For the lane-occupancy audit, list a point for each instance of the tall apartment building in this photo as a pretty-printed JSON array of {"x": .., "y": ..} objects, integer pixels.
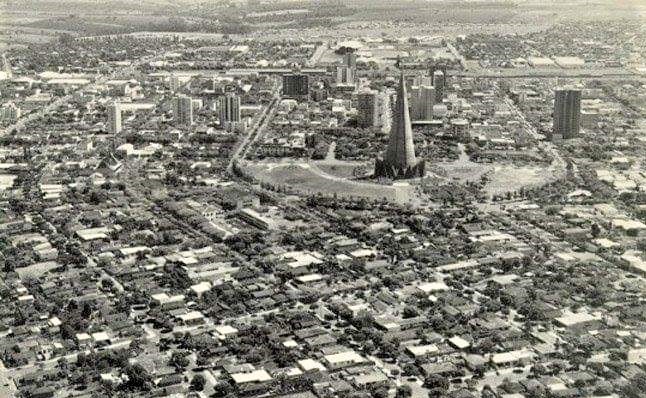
[
  {"x": 296, "y": 85},
  {"x": 350, "y": 60},
  {"x": 423, "y": 99},
  {"x": 439, "y": 82},
  {"x": 114, "y": 118},
  {"x": 368, "y": 109},
  {"x": 183, "y": 110},
  {"x": 229, "y": 108},
  {"x": 174, "y": 83},
  {"x": 567, "y": 113},
  {"x": 9, "y": 113},
  {"x": 345, "y": 75}
]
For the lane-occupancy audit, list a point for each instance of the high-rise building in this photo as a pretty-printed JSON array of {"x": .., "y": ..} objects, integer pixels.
[
  {"x": 385, "y": 112},
  {"x": 439, "y": 82},
  {"x": 9, "y": 113},
  {"x": 296, "y": 85},
  {"x": 399, "y": 161},
  {"x": 229, "y": 107},
  {"x": 414, "y": 101},
  {"x": 567, "y": 113},
  {"x": 427, "y": 100},
  {"x": 114, "y": 118},
  {"x": 368, "y": 109},
  {"x": 183, "y": 110},
  {"x": 350, "y": 60},
  {"x": 423, "y": 98},
  {"x": 345, "y": 75},
  {"x": 174, "y": 82}
]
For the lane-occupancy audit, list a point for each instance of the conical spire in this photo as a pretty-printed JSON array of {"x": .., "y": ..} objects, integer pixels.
[{"x": 401, "y": 151}]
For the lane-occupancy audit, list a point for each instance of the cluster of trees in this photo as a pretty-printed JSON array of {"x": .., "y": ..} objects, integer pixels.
[
  {"x": 75, "y": 319},
  {"x": 89, "y": 27},
  {"x": 225, "y": 296},
  {"x": 451, "y": 193},
  {"x": 85, "y": 53},
  {"x": 318, "y": 146},
  {"x": 11, "y": 359},
  {"x": 89, "y": 365},
  {"x": 174, "y": 276},
  {"x": 356, "y": 144}
]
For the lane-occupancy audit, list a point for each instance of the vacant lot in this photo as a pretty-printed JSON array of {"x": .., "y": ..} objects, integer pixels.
[{"x": 508, "y": 178}]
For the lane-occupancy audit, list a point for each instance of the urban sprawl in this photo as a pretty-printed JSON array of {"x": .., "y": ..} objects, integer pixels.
[{"x": 333, "y": 215}]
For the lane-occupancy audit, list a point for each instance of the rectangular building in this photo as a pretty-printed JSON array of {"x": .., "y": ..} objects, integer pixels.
[
  {"x": 439, "y": 82},
  {"x": 368, "y": 109},
  {"x": 183, "y": 110},
  {"x": 567, "y": 113},
  {"x": 423, "y": 101},
  {"x": 229, "y": 107},
  {"x": 9, "y": 113},
  {"x": 345, "y": 75},
  {"x": 114, "y": 118},
  {"x": 295, "y": 85}
]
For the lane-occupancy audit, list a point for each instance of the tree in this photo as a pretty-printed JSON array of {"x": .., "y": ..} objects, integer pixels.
[
  {"x": 363, "y": 320},
  {"x": 404, "y": 391},
  {"x": 379, "y": 392},
  {"x": 65, "y": 39},
  {"x": 437, "y": 382},
  {"x": 222, "y": 389},
  {"x": 179, "y": 360},
  {"x": 138, "y": 378},
  {"x": 198, "y": 382},
  {"x": 87, "y": 310},
  {"x": 410, "y": 312},
  {"x": 409, "y": 369},
  {"x": 596, "y": 231}
]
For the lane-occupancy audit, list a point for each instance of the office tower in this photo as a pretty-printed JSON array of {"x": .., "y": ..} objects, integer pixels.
[
  {"x": 385, "y": 112},
  {"x": 350, "y": 60},
  {"x": 295, "y": 85},
  {"x": 399, "y": 160},
  {"x": 414, "y": 101},
  {"x": 423, "y": 99},
  {"x": 439, "y": 82},
  {"x": 183, "y": 110},
  {"x": 425, "y": 102},
  {"x": 229, "y": 106},
  {"x": 368, "y": 109},
  {"x": 114, "y": 118},
  {"x": 175, "y": 83},
  {"x": 567, "y": 112},
  {"x": 344, "y": 75},
  {"x": 9, "y": 113}
]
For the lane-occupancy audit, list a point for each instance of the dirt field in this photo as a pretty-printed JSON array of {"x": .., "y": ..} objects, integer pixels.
[{"x": 507, "y": 178}]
